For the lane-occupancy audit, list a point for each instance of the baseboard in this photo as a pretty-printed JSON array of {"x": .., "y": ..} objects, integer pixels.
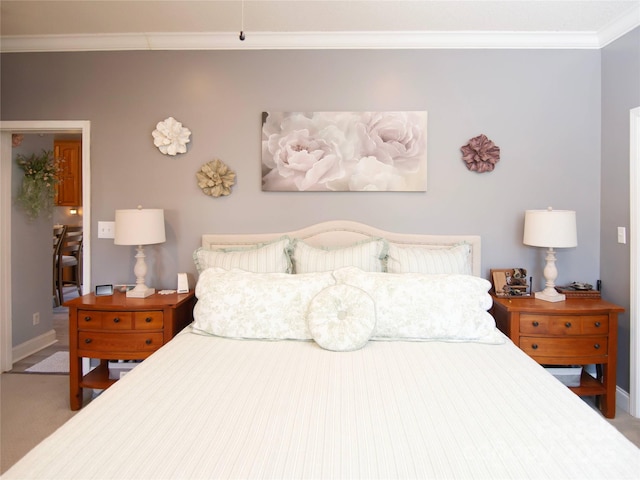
[
  {"x": 623, "y": 401},
  {"x": 34, "y": 345}
]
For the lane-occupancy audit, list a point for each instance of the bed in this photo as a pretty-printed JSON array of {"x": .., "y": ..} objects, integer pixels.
[{"x": 336, "y": 351}]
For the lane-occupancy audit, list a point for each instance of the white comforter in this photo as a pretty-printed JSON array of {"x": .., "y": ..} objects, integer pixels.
[{"x": 208, "y": 407}]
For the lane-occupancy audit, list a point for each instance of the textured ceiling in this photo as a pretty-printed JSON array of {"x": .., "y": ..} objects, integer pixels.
[{"x": 28, "y": 18}]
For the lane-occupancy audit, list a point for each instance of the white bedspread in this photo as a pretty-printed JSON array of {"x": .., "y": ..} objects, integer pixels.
[{"x": 207, "y": 407}]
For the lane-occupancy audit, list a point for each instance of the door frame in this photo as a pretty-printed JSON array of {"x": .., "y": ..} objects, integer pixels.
[
  {"x": 26, "y": 127},
  {"x": 634, "y": 280}
]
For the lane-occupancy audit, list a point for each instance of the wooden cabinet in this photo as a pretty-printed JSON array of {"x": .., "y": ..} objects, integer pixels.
[
  {"x": 69, "y": 186},
  {"x": 578, "y": 331},
  {"x": 116, "y": 327}
]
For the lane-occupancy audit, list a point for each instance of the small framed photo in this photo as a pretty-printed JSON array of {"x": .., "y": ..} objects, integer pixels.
[
  {"x": 510, "y": 282},
  {"x": 104, "y": 290}
]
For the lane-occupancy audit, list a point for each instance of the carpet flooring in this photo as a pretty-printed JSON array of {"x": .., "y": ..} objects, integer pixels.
[{"x": 31, "y": 408}]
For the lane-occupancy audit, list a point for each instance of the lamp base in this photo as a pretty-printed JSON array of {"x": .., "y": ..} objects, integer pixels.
[
  {"x": 550, "y": 297},
  {"x": 143, "y": 292}
]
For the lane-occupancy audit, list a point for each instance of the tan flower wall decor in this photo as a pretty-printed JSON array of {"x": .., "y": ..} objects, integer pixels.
[
  {"x": 215, "y": 178},
  {"x": 480, "y": 154}
]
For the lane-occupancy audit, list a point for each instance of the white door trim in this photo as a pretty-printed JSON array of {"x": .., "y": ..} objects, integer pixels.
[
  {"x": 634, "y": 281},
  {"x": 41, "y": 126}
]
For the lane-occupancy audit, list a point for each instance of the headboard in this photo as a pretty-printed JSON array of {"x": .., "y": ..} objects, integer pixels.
[{"x": 337, "y": 233}]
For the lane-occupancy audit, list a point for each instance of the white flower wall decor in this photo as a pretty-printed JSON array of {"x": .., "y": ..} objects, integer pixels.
[
  {"x": 171, "y": 137},
  {"x": 344, "y": 151},
  {"x": 215, "y": 178}
]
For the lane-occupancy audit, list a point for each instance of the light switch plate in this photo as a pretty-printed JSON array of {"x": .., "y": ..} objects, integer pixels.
[
  {"x": 622, "y": 235},
  {"x": 106, "y": 229}
]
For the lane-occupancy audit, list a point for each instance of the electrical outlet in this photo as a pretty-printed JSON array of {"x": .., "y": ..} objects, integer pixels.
[
  {"x": 36, "y": 318},
  {"x": 106, "y": 229}
]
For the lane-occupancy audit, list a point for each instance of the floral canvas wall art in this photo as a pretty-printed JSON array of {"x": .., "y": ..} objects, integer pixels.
[{"x": 344, "y": 151}]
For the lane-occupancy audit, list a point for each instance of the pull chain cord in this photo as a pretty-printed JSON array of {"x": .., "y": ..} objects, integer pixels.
[{"x": 241, "y": 36}]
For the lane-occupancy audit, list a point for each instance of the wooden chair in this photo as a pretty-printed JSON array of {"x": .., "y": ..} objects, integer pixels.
[
  {"x": 70, "y": 256},
  {"x": 58, "y": 234}
]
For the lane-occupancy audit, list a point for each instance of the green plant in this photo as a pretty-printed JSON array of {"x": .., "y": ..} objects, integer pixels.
[{"x": 38, "y": 185}]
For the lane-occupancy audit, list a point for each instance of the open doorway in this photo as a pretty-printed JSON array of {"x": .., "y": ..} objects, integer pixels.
[{"x": 26, "y": 127}]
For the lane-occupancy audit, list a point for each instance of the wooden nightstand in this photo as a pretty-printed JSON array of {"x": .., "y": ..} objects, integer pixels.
[
  {"x": 115, "y": 327},
  {"x": 577, "y": 331}
]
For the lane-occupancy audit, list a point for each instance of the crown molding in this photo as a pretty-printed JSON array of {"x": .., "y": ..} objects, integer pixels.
[
  {"x": 325, "y": 40},
  {"x": 620, "y": 27},
  {"x": 300, "y": 41},
  {"x": 321, "y": 40}
]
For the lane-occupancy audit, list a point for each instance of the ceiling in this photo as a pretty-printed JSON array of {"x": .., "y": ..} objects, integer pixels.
[{"x": 52, "y": 25}]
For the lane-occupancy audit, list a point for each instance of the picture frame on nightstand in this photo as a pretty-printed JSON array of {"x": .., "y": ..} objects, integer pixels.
[{"x": 510, "y": 282}]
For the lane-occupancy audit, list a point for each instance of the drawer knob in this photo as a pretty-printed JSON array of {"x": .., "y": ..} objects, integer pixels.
[
  {"x": 596, "y": 346},
  {"x": 535, "y": 323},
  {"x": 87, "y": 340},
  {"x": 148, "y": 341},
  {"x": 116, "y": 320},
  {"x": 148, "y": 319},
  {"x": 87, "y": 318},
  {"x": 568, "y": 324},
  {"x": 597, "y": 324},
  {"x": 534, "y": 346}
]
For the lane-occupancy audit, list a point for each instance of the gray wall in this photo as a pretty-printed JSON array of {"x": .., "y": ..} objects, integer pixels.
[
  {"x": 620, "y": 93},
  {"x": 541, "y": 107}
]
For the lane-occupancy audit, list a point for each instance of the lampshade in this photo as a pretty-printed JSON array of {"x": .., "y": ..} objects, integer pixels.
[
  {"x": 550, "y": 228},
  {"x": 139, "y": 226}
]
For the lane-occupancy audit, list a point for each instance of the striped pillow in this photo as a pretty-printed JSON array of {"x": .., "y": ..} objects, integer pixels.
[
  {"x": 367, "y": 256},
  {"x": 272, "y": 257},
  {"x": 452, "y": 260}
]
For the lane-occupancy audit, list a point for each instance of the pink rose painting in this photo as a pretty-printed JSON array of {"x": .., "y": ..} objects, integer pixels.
[
  {"x": 344, "y": 151},
  {"x": 480, "y": 154}
]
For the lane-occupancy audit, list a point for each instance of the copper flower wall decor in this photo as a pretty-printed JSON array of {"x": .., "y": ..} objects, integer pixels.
[
  {"x": 480, "y": 154},
  {"x": 215, "y": 178}
]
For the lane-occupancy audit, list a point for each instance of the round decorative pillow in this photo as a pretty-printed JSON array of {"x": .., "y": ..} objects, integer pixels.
[{"x": 341, "y": 318}]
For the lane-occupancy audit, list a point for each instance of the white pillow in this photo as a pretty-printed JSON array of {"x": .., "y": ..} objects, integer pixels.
[
  {"x": 367, "y": 255},
  {"x": 429, "y": 260},
  {"x": 241, "y": 304},
  {"x": 427, "y": 307},
  {"x": 272, "y": 257},
  {"x": 341, "y": 318}
]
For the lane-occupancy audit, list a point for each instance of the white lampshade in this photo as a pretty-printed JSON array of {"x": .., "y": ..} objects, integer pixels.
[
  {"x": 139, "y": 226},
  {"x": 550, "y": 228}
]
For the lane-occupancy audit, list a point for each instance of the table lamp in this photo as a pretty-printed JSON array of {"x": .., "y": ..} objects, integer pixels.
[
  {"x": 140, "y": 227},
  {"x": 551, "y": 229}
]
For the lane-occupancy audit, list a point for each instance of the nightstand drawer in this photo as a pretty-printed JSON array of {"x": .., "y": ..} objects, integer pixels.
[
  {"x": 564, "y": 324},
  {"x": 119, "y": 342},
  {"x": 148, "y": 320},
  {"x": 92, "y": 320},
  {"x": 561, "y": 347}
]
